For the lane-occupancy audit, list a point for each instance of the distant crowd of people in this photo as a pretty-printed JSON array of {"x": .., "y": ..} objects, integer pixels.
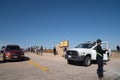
[
  {"x": 39, "y": 50},
  {"x": 36, "y": 49}
]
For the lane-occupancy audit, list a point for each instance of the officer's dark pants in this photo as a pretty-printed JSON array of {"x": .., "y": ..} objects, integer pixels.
[{"x": 100, "y": 66}]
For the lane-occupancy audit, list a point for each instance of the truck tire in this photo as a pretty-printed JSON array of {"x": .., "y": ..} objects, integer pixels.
[
  {"x": 69, "y": 61},
  {"x": 87, "y": 61}
]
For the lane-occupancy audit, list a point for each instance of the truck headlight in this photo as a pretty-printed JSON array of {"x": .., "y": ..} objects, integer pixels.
[{"x": 82, "y": 53}]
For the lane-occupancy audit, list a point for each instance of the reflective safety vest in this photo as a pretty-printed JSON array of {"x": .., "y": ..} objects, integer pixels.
[{"x": 99, "y": 54}]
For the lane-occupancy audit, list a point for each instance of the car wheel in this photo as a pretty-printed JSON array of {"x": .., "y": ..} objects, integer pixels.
[
  {"x": 22, "y": 59},
  {"x": 87, "y": 61},
  {"x": 4, "y": 60},
  {"x": 70, "y": 61}
]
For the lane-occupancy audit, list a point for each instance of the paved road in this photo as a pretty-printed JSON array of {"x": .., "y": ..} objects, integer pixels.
[{"x": 50, "y": 67}]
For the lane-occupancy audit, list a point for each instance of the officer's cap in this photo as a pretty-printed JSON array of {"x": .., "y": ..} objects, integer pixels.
[{"x": 99, "y": 40}]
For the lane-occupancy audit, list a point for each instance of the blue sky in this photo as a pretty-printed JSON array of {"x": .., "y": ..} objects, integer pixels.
[{"x": 47, "y": 22}]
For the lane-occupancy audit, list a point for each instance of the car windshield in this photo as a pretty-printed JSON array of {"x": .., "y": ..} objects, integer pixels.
[
  {"x": 85, "y": 46},
  {"x": 13, "y": 48}
]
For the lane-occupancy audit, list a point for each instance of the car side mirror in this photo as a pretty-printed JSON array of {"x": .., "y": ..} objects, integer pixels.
[{"x": 1, "y": 51}]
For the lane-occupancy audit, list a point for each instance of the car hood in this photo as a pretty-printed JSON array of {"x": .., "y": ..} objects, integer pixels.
[{"x": 14, "y": 51}]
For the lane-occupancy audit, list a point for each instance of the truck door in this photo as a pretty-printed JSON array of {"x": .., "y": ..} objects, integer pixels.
[{"x": 104, "y": 47}]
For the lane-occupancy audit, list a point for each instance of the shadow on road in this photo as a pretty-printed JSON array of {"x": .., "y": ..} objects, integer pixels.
[
  {"x": 77, "y": 63},
  {"x": 118, "y": 78},
  {"x": 25, "y": 59},
  {"x": 82, "y": 63}
]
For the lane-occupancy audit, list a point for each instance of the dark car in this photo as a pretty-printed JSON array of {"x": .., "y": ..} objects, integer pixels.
[
  {"x": 2, "y": 49},
  {"x": 13, "y": 52}
]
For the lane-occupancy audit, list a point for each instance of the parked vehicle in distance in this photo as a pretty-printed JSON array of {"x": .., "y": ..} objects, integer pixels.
[
  {"x": 13, "y": 52},
  {"x": 86, "y": 52},
  {"x": 2, "y": 49}
]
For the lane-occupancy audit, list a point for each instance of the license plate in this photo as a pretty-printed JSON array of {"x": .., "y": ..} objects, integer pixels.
[
  {"x": 69, "y": 56},
  {"x": 14, "y": 56}
]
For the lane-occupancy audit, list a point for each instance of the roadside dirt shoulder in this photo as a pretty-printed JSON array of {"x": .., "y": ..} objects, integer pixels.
[{"x": 115, "y": 55}]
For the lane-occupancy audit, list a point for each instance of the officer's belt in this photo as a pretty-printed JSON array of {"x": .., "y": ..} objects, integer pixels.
[{"x": 99, "y": 54}]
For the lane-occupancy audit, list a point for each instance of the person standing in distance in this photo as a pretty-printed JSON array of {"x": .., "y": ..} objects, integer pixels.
[
  {"x": 54, "y": 51},
  {"x": 118, "y": 48},
  {"x": 99, "y": 59},
  {"x": 41, "y": 50}
]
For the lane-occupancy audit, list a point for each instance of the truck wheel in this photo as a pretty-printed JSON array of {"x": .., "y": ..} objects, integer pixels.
[
  {"x": 87, "y": 61},
  {"x": 69, "y": 61}
]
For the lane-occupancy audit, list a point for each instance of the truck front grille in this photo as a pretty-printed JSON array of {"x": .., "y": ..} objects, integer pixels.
[{"x": 74, "y": 54}]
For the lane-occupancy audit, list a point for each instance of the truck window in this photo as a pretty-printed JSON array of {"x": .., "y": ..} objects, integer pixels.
[
  {"x": 104, "y": 46},
  {"x": 85, "y": 46}
]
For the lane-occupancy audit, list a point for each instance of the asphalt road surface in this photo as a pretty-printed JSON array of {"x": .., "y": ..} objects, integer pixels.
[{"x": 50, "y": 67}]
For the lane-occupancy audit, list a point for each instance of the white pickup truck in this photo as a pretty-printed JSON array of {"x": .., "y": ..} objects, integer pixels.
[{"x": 86, "y": 52}]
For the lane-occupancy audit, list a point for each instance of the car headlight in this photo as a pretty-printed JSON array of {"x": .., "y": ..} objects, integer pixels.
[
  {"x": 7, "y": 54},
  {"x": 22, "y": 55}
]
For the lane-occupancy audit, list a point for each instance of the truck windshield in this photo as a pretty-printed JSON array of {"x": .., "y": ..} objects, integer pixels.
[{"x": 85, "y": 46}]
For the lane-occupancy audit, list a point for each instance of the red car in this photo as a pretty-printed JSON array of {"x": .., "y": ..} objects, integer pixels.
[{"x": 13, "y": 52}]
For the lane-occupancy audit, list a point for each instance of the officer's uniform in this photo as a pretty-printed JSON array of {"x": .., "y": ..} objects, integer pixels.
[{"x": 99, "y": 59}]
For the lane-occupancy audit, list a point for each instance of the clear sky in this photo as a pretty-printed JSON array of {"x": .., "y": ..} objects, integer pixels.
[{"x": 47, "y": 22}]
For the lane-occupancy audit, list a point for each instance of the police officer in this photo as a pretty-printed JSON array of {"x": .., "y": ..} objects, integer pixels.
[{"x": 99, "y": 59}]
